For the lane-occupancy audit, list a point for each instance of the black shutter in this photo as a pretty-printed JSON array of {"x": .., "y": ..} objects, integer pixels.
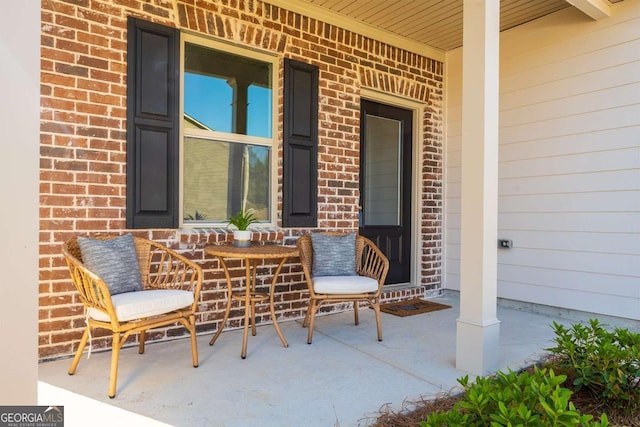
[
  {"x": 152, "y": 125},
  {"x": 300, "y": 157}
]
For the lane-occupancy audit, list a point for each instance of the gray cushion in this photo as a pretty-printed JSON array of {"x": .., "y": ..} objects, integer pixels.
[
  {"x": 334, "y": 255},
  {"x": 114, "y": 260}
]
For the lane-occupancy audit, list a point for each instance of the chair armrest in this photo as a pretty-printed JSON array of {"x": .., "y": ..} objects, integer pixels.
[
  {"x": 94, "y": 292},
  {"x": 372, "y": 262},
  {"x": 164, "y": 268}
]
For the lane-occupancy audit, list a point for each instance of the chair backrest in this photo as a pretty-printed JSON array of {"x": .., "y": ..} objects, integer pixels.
[
  {"x": 305, "y": 248},
  {"x": 71, "y": 247}
]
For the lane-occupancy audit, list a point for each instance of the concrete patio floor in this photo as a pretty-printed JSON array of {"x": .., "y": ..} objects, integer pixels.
[{"x": 342, "y": 379}]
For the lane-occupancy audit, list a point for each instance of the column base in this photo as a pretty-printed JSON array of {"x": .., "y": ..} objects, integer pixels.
[{"x": 478, "y": 346}]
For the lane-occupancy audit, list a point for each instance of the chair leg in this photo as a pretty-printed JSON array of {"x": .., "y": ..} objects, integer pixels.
[
  {"x": 81, "y": 346},
  {"x": 194, "y": 342},
  {"x": 313, "y": 307},
  {"x": 115, "y": 354},
  {"x": 355, "y": 312},
  {"x": 376, "y": 309},
  {"x": 305, "y": 323},
  {"x": 142, "y": 337}
]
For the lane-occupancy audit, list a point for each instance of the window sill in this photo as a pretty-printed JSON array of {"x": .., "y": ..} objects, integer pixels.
[{"x": 218, "y": 235}]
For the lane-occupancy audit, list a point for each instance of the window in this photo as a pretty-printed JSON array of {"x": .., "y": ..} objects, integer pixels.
[
  {"x": 201, "y": 147},
  {"x": 227, "y": 132}
]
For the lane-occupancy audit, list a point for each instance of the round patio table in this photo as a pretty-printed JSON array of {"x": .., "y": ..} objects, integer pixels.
[{"x": 251, "y": 256}]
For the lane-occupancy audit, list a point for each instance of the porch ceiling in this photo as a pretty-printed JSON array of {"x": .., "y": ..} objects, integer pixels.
[{"x": 435, "y": 23}]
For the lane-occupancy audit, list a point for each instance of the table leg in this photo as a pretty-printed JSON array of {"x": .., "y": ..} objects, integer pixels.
[
  {"x": 229, "y": 301},
  {"x": 247, "y": 307},
  {"x": 254, "y": 267},
  {"x": 272, "y": 305}
]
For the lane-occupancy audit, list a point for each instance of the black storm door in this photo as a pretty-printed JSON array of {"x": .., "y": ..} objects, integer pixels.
[{"x": 385, "y": 184}]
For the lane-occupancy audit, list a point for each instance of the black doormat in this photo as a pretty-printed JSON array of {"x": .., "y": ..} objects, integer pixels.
[{"x": 411, "y": 307}]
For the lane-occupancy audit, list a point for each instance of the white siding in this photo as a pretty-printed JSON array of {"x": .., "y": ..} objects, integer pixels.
[{"x": 569, "y": 169}]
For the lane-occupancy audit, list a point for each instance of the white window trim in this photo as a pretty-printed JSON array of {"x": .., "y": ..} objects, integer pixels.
[{"x": 270, "y": 142}]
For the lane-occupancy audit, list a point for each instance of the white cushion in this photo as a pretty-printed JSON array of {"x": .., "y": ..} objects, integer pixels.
[
  {"x": 141, "y": 304},
  {"x": 344, "y": 284}
]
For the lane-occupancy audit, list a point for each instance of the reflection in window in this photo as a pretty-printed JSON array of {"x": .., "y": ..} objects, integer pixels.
[
  {"x": 235, "y": 176},
  {"x": 225, "y": 93}
]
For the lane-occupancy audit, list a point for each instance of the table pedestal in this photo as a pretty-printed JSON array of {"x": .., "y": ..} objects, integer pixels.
[{"x": 251, "y": 257}]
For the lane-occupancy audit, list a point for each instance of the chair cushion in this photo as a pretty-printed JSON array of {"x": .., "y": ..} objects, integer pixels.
[
  {"x": 344, "y": 284},
  {"x": 141, "y": 304},
  {"x": 333, "y": 255},
  {"x": 114, "y": 260}
]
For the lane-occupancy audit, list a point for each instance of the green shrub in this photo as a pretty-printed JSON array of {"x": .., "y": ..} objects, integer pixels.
[
  {"x": 604, "y": 362},
  {"x": 514, "y": 399}
]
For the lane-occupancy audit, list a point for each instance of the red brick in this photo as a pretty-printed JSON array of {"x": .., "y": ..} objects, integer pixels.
[{"x": 84, "y": 130}]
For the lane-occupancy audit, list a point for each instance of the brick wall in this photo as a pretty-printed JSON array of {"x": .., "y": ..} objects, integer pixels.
[{"x": 83, "y": 110}]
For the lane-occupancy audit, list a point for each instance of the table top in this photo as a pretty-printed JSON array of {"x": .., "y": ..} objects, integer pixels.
[{"x": 252, "y": 252}]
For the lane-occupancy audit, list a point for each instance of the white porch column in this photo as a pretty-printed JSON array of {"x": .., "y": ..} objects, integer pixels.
[
  {"x": 20, "y": 174},
  {"x": 477, "y": 340}
]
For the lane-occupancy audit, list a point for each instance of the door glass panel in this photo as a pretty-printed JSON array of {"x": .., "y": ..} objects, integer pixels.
[{"x": 382, "y": 171}]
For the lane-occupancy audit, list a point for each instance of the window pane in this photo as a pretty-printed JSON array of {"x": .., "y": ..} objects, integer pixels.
[
  {"x": 226, "y": 92},
  {"x": 221, "y": 178}
]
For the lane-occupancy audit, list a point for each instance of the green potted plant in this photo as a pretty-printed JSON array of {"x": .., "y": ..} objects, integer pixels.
[{"x": 241, "y": 221}]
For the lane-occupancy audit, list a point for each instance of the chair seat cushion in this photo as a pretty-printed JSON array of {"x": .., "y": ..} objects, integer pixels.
[
  {"x": 141, "y": 304},
  {"x": 344, "y": 284}
]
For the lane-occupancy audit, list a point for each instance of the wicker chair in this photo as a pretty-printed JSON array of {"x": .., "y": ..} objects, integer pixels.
[
  {"x": 370, "y": 262},
  {"x": 163, "y": 273}
]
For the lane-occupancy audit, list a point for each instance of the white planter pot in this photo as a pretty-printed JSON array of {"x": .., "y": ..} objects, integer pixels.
[{"x": 242, "y": 238}]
